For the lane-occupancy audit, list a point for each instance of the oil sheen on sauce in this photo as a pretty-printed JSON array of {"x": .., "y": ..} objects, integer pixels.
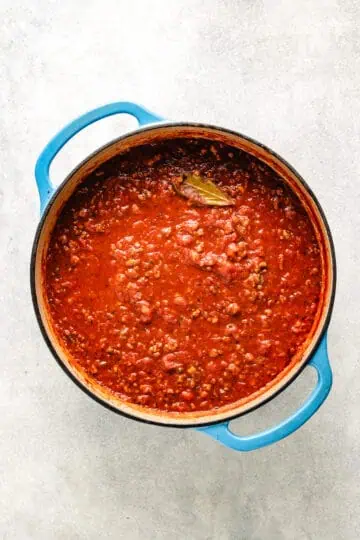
[{"x": 178, "y": 307}]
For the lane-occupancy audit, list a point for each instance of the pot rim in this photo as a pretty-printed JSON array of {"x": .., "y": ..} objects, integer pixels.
[{"x": 232, "y": 414}]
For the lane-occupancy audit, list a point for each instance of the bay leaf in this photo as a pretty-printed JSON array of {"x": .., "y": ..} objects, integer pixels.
[{"x": 201, "y": 191}]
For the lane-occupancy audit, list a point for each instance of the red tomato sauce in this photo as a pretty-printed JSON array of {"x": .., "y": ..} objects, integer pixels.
[{"x": 178, "y": 307}]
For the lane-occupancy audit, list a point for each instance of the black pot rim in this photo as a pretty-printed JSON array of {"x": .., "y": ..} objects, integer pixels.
[{"x": 57, "y": 191}]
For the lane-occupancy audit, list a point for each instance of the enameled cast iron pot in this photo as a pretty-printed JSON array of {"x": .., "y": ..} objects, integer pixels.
[{"x": 314, "y": 352}]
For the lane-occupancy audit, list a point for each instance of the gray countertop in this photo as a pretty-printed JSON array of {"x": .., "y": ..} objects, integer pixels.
[{"x": 285, "y": 73}]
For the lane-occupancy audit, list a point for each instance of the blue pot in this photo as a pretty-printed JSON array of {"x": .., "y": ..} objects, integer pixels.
[{"x": 214, "y": 423}]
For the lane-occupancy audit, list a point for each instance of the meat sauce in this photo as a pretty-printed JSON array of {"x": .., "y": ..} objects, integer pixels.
[{"x": 178, "y": 307}]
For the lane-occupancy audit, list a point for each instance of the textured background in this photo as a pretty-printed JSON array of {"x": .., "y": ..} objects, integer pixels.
[{"x": 286, "y": 73}]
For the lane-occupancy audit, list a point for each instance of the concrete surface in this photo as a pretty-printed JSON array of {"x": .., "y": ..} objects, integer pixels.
[{"x": 286, "y": 73}]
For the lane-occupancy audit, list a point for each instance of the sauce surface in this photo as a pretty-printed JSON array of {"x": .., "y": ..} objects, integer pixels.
[{"x": 178, "y": 307}]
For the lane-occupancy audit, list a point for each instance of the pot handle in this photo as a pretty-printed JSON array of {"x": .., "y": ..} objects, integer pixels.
[
  {"x": 43, "y": 163},
  {"x": 319, "y": 361}
]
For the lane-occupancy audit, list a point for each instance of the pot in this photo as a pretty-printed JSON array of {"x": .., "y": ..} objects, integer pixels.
[{"x": 313, "y": 353}]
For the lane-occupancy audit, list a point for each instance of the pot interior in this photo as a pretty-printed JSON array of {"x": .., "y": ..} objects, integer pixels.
[{"x": 153, "y": 134}]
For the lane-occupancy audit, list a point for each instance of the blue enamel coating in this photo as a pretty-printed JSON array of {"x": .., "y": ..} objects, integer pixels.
[
  {"x": 219, "y": 432},
  {"x": 320, "y": 361},
  {"x": 43, "y": 163}
]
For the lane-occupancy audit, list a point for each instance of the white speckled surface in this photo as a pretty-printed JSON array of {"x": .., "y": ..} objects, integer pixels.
[{"x": 286, "y": 73}]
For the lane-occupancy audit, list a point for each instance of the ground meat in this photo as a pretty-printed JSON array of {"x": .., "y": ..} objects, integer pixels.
[{"x": 179, "y": 307}]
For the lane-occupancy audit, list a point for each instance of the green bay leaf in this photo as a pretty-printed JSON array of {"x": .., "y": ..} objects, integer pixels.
[{"x": 201, "y": 191}]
